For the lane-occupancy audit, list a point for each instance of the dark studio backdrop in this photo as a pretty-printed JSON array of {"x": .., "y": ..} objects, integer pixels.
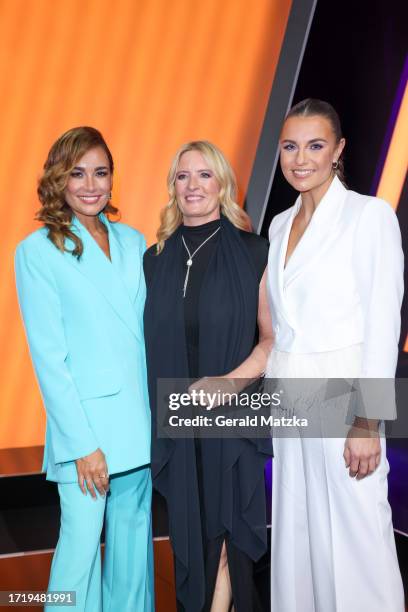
[{"x": 355, "y": 58}]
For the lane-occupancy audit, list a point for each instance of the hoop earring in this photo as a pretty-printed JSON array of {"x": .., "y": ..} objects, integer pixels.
[{"x": 335, "y": 165}]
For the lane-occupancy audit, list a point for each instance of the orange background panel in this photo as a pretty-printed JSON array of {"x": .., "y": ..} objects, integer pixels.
[
  {"x": 396, "y": 163},
  {"x": 150, "y": 74}
]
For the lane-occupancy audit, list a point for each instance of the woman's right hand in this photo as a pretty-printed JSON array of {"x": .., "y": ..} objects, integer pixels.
[
  {"x": 362, "y": 448},
  {"x": 93, "y": 471}
]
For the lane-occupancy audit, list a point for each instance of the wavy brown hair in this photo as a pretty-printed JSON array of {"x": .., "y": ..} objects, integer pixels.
[
  {"x": 171, "y": 217},
  {"x": 64, "y": 154}
]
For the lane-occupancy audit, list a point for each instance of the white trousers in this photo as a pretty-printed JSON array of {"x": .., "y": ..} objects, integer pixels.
[{"x": 333, "y": 547}]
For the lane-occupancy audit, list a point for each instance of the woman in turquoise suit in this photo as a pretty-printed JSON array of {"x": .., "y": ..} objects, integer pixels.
[{"x": 81, "y": 291}]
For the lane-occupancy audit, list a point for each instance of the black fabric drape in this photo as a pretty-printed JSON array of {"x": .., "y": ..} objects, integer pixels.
[{"x": 232, "y": 469}]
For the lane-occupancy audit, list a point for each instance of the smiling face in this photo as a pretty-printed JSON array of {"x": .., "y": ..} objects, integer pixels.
[
  {"x": 89, "y": 184},
  {"x": 308, "y": 148},
  {"x": 197, "y": 189}
]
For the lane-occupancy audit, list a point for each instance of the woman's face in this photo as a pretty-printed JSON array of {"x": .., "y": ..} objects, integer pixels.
[
  {"x": 197, "y": 189},
  {"x": 308, "y": 149},
  {"x": 89, "y": 184}
]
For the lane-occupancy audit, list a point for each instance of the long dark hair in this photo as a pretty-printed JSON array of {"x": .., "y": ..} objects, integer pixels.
[{"x": 310, "y": 107}]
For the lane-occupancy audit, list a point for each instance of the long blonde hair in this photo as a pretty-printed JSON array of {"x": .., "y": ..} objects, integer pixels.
[
  {"x": 64, "y": 154},
  {"x": 171, "y": 216}
]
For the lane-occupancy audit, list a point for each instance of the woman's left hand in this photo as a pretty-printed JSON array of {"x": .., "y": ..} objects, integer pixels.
[
  {"x": 210, "y": 390},
  {"x": 362, "y": 451}
]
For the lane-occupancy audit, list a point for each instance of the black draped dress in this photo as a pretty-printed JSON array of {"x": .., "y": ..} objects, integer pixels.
[{"x": 222, "y": 497}]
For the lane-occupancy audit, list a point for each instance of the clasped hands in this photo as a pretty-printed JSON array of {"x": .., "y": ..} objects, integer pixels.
[{"x": 93, "y": 473}]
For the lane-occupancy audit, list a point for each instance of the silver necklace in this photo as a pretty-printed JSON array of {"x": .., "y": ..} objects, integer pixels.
[{"x": 190, "y": 258}]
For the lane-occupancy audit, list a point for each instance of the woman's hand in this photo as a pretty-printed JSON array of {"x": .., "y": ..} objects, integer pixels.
[
  {"x": 210, "y": 390},
  {"x": 362, "y": 449},
  {"x": 93, "y": 470}
]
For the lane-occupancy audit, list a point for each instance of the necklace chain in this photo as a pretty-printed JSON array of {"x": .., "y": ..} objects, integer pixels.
[{"x": 190, "y": 258}]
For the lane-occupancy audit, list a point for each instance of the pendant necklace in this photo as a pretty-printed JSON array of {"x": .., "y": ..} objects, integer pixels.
[{"x": 190, "y": 258}]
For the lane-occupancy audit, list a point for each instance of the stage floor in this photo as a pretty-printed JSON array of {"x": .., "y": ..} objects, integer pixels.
[{"x": 29, "y": 524}]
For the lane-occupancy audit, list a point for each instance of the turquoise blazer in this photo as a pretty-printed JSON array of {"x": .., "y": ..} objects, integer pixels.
[{"x": 84, "y": 324}]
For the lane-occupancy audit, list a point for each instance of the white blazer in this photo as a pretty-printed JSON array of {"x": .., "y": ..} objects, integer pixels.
[{"x": 343, "y": 284}]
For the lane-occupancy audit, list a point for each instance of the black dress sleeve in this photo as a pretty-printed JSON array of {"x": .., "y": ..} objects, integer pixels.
[
  {"x": 149, "y": 263},
  {"x": 258, "y": 247}
]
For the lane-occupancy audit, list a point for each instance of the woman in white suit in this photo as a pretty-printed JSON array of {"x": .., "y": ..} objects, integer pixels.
[
  {"x": 81, "y": 291},
  {"x": 335, "y": 285}
]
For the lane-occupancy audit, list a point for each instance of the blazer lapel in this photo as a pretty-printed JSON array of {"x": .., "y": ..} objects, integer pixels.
[
  {"x": 105, "y": 275},
  {"x": 318, "y": 233},
  {"x": 126, "y": 261},
  {"x": 276, "y": 261},
  {"x": 285, "y": 240}
]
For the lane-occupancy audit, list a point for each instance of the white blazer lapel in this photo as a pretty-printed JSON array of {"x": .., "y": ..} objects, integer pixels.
[
  {"x": 278, "y": 240},
  {"x": 317, "y": 234}
]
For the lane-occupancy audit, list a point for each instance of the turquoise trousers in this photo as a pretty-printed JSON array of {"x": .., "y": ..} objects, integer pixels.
[{"x": 125, "y": 583}]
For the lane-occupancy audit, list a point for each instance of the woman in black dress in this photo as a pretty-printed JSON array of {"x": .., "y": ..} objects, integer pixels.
[{"x": 207, "y": 315}]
